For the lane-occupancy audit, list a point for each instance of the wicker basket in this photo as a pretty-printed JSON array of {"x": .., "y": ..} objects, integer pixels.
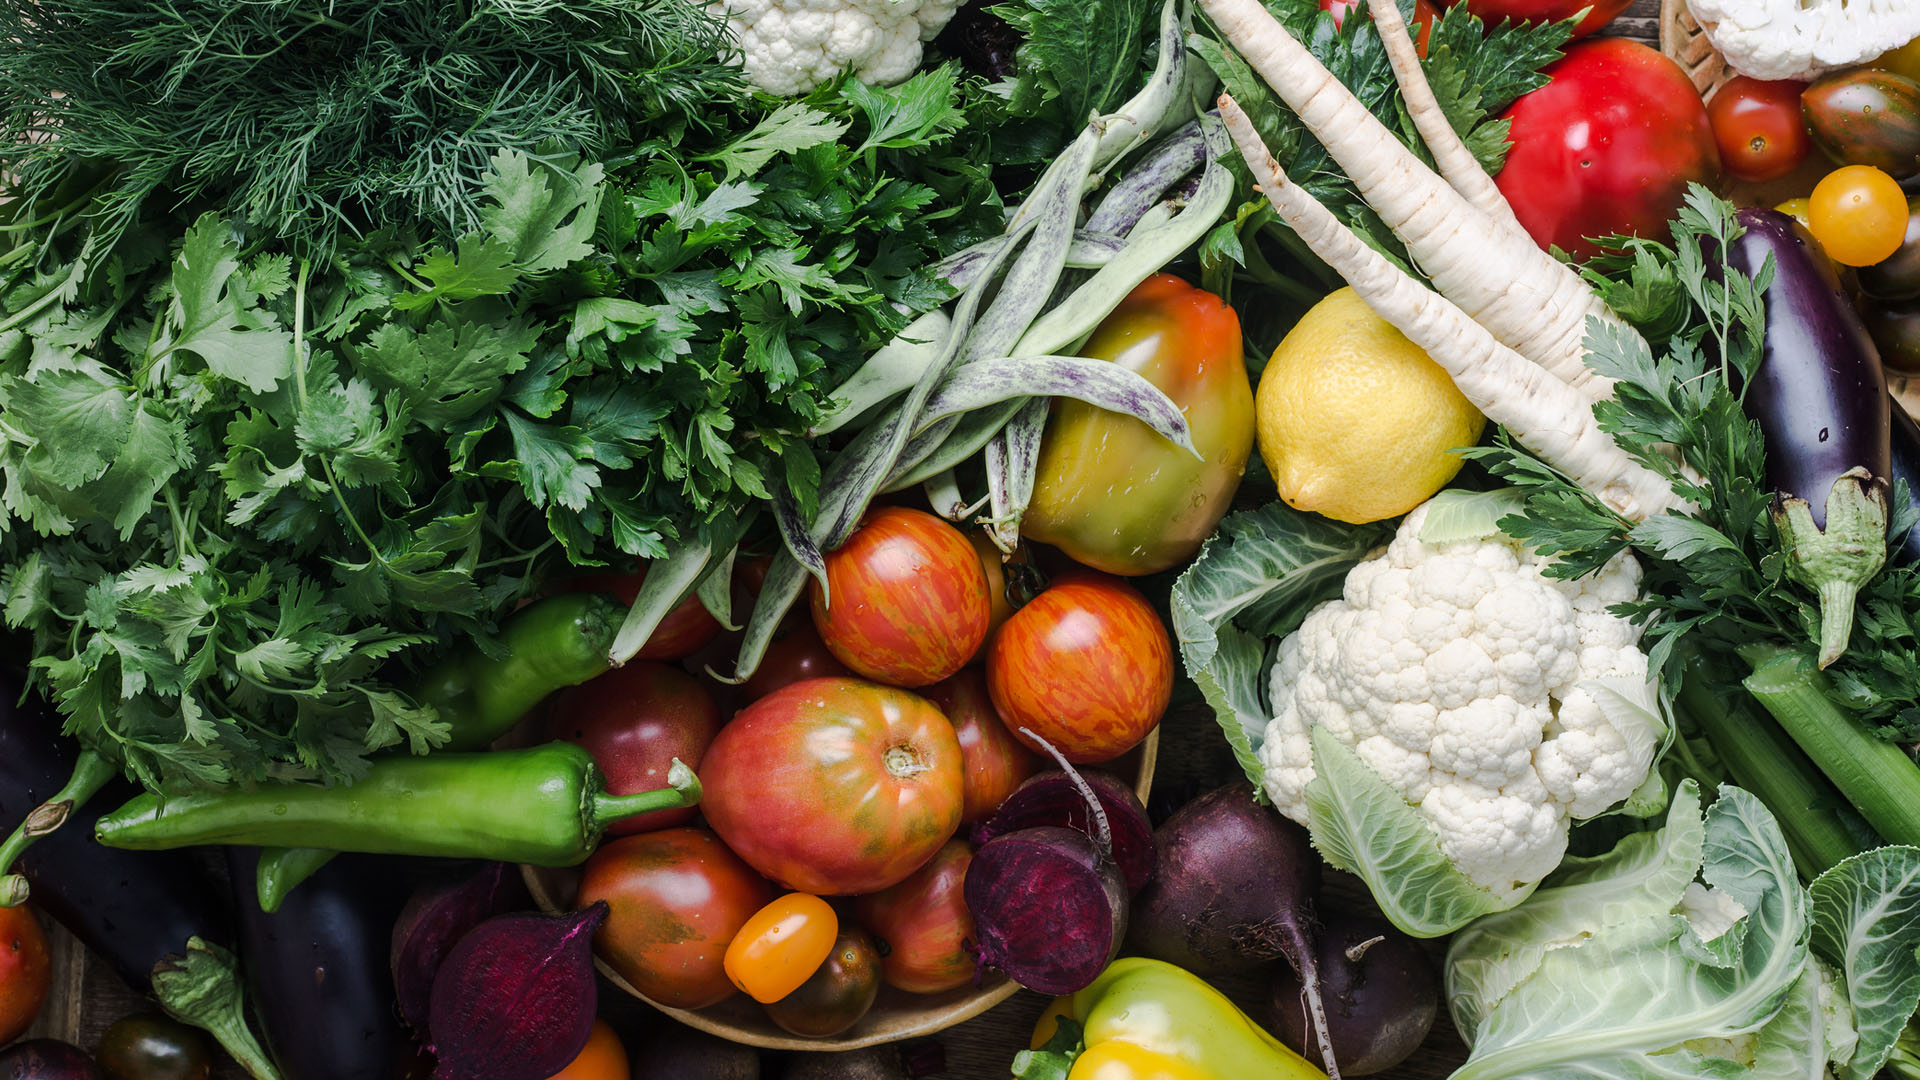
[{"x": 1682, "y": 40}]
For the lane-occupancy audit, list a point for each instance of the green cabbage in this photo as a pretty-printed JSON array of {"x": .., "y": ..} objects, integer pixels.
[{"x": 1694, "y": 951}]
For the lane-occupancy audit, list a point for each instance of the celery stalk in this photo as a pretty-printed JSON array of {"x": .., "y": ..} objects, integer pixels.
[
  {"x": 1876, "y": 776},
  {"x": 1760, "y": 757}
]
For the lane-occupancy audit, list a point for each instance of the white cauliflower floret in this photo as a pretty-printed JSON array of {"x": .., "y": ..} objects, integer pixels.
[
  {"x": 1455, "y": 673},
  {"x": 1800, "y": 39},
  {"x": 788, "y": 47}
]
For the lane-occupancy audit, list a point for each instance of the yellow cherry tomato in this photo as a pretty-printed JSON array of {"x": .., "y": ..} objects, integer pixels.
[
  {"x": 781, "y": 946},
  {"x": 1125, "y": 1061},
  {"x": 1859, "y": 215},
  {"x": 1796, "y": 209}
]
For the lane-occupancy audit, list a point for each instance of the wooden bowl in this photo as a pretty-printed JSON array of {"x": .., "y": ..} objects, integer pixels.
[{"x": 895, "y": 1016}]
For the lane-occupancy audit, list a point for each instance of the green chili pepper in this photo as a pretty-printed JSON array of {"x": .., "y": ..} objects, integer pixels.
[
  {"x": 283, "y": 869},
  {"x": 547, "y": 805},
  {"x": 551, "y": 644}
]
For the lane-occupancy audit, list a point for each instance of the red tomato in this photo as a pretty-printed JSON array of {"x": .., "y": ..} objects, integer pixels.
[
  {"x": 1086, "y": 665},
  {"x": 835, "y": 786},
  {"x": 1423, "y": 15},
  {"x": 678, "y": 897},
  {"x": 906, "y": 599},
  {"x": 26, "y": 972},
  {"x": 924, "y": 926},
  {"x": 635, "y": 720},
  {"x": 994, "y": 761},
  {"x": 993, "y": 562},
  {"x": 799, "y": 655},
  {"x": 1608, "y": 146},
  {"x": 1602, "y": 13},
  {"x": 1759, "y": 129},
  {"x": 684, "y": 631}
]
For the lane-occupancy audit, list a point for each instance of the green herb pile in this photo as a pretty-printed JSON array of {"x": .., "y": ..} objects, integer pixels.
[
  {"x": 239, "y": 480},
  {"x": 307, "y": 120}
]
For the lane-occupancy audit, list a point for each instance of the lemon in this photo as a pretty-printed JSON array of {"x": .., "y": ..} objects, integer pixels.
[{"x": 1355, "y": 421}]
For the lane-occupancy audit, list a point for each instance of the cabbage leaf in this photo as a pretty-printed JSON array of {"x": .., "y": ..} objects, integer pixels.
[
  {"x": 1866, "y": 921},
  {"x": 1693, "y": 952}
]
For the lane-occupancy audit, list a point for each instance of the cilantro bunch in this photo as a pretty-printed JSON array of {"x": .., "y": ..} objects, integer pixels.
[{"x": 247, "y": 487}]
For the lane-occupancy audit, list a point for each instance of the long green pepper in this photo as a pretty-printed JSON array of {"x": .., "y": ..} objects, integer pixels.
[{"x": 547, "y": 805}]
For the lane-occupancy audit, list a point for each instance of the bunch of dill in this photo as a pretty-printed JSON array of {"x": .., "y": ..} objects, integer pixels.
[{"x": 313, "y": 119}]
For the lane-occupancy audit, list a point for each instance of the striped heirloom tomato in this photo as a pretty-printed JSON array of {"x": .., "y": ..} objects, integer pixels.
[
  {"x": 906, "y": 599},
  {"x": 835, "y": 786},
  {"x": 1087, "y": 666}
]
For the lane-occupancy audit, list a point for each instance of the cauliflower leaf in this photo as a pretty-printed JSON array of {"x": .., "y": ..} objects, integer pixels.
[
  {"x": 1361, "y": 825},
  {"x": 1253, "y": 582}
]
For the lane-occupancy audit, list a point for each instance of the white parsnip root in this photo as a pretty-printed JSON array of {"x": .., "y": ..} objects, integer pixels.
[
  {"x": 1542, "y": 411},
  {"x": 1481, "y": 260}
]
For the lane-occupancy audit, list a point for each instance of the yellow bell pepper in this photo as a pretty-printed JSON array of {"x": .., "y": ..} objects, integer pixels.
[{"x": 1148, "y": 1020}]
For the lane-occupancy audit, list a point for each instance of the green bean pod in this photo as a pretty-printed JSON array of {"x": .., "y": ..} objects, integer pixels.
[{"x": 547, "y": 805}]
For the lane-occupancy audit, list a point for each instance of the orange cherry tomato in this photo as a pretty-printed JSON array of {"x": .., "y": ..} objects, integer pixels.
[
  {"x": 1859, "y": 215},
  {"x": 603, "y": 1058},
  {"x": 26, "y": 972},
  {"x": 781, "y": 946}
]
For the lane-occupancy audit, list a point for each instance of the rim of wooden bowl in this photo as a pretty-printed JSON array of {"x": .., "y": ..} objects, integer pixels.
[{"x": 895, "y": 1016}]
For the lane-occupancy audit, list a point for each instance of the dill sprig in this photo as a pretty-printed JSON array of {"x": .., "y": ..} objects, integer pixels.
[{"x": 310, "y": 119}]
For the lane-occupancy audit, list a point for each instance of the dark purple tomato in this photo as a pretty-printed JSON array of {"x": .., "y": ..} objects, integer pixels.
[{"x": 149, "y": 1046}]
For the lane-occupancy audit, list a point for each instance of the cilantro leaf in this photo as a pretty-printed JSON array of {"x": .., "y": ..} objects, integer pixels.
[{"x": 213, "y": 318}]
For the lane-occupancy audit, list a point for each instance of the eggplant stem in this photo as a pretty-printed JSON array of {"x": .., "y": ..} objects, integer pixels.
[
  {"x": 1836, "y": 561},
  {"x": 202, "y": 988},
  {"x": 90, "y": 773}
]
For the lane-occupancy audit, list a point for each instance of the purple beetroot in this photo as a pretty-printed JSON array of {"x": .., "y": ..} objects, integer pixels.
[
  {"x": 516, "y": 998},
  {"x": 1232, "y": 889},
  {"x": 434, "y": 921},
  {"x": 1049, "y": 904},
  {"x": 1052, "y": 798}
]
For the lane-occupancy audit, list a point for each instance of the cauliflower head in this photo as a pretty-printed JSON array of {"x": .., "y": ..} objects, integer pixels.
[
  {"x": 788, "y": 47},
  {"x": 1800, "y": 39},
  {"x": 1455, "y": 672}
]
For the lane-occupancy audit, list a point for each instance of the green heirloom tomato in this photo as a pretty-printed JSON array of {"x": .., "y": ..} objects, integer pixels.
[{"x": 1111, "y": 493}]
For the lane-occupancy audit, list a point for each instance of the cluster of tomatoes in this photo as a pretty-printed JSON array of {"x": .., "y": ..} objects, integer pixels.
[
  {"x": 910, "y": 700},
  {"x": 1867, "y": 122}
]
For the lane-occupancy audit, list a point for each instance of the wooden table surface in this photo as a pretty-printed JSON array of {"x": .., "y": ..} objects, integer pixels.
[{"x": 1193, "y": 758}]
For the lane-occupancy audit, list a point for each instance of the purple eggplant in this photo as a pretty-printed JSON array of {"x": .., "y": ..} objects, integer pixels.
[
  {"x": 1820, "y": 397},
  {"x": 319, "y": 968},
  {"x": 150, "y": 914},
  {"x": 1906, "y": 466}
]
